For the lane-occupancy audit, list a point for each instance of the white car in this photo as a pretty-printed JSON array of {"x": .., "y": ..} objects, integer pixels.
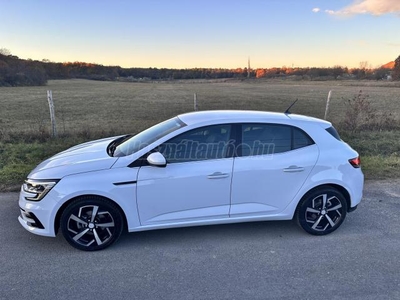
[{"x": 200, "y": 168}]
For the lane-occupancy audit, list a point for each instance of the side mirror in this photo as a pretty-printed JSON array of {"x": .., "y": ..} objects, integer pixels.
[{"x": 156, "y": 159}]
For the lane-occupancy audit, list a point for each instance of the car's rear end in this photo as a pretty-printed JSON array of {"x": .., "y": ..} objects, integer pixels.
[
  {"x": 342, "y": 163},
  {"x": 335, "y": 184}
]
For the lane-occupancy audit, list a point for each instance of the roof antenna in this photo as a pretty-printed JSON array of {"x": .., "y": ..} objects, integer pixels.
[{"x": 288, "y": 110}]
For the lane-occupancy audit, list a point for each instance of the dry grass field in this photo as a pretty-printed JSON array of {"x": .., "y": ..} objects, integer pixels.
[
  {"x": 129, "y": 107},
  {"x": 93, "y": 109}
]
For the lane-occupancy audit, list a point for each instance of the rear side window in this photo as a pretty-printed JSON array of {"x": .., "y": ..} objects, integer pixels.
[
  {"x": 261, "y": 139},
  {"x": 334, "y": 133},
  {"x": 300, "y": 139}
]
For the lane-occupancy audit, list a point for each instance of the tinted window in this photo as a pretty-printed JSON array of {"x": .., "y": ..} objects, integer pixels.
[
  {"x": 334, "y": 133},
  {"x": 210, "y": 142},
  {"x": 260, "y": 139},
  {"x": 300, "y": 139}
]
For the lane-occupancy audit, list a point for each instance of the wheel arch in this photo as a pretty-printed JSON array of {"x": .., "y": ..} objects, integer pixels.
[
  {"x": 338, "y": 187},
  {"x": 64, "y": 206}
]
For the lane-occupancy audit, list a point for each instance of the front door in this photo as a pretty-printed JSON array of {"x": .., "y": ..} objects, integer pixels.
[{"x": 195, "y": 184}]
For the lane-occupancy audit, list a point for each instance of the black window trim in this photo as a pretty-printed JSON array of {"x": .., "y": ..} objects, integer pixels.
[{"x": 235, "y": 137}]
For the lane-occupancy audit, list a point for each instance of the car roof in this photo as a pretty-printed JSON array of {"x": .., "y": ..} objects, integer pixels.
[{"x": 193, "y": 118}]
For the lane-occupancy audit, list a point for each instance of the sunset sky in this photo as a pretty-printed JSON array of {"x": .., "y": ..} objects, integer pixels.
[{"x": 203, "y": 33}]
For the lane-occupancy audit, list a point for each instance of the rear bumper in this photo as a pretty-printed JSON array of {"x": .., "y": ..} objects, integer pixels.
[
  {"x": 356, "y": 185},
  {"x": 350, "y": 209}
]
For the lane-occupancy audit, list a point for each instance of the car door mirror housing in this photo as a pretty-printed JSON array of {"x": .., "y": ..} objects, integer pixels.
[{"x": 156, "y": 159}]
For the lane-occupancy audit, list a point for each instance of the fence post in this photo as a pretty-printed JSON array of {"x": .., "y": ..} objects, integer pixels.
[
  {"x": 327, "y": 104},
  {"x": 195, "y": 107},
  {"x": 52, "y": 114}
]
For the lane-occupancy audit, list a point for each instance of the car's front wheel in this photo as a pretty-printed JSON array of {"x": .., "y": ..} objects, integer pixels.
[
  {"x": 321, "y": 211},
  {"x": 91, "y": 223}
]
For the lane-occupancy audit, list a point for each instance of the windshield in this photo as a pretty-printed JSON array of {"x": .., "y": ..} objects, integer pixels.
[{"x": 147, "y": 137}]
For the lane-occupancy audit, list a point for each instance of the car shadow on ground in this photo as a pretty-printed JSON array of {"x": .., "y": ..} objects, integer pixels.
[{"x": 228, "y": 233}]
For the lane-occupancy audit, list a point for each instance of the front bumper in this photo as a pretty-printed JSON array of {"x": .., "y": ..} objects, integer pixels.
[
  {"x": 30, "y": 219},
  {"x": 37, "y": 216}
]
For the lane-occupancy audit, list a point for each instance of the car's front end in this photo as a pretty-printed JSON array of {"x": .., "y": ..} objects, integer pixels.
[
  {"x": 39, "y": 198},
  {"x": 37, "y": 205}
]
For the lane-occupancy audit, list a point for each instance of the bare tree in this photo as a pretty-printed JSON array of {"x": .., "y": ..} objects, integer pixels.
[
  {"x": 363, "y": 65},
  {"x": 5, "y": 51}
]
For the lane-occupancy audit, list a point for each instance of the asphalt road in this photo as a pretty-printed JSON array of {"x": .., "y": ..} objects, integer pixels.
[{"x": 264, "y": 260}]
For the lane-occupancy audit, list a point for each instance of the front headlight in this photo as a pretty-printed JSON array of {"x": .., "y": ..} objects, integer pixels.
[{"x": 39, "y": 188}]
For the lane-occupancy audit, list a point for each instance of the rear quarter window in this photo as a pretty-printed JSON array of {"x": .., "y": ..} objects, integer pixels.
[
  {"x": 300, "y": 139},
  {"x": 332, "y": 131}
]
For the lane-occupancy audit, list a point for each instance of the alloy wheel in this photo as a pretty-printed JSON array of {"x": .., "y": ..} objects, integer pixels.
[
  {"x": 321, "y": 211},
  {"x": 91, "y": 223},
  {"x": 324, "y": 212}
]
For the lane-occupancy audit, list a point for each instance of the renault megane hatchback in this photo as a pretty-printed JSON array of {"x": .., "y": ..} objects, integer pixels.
[{"x": 199, "y": 168}]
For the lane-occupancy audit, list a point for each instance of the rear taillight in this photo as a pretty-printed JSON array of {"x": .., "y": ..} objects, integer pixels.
[{"x": 355, "y": 162}]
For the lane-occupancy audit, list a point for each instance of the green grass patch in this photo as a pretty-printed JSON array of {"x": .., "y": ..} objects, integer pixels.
[
  {"x": 370, "y": 143},
  {"x": 380, "y": 152},
  {"x": 18, "y": 159},
  {"x": 381, "y": 167}
]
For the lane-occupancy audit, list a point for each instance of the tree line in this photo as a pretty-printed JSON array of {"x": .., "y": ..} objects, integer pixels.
[
  {"x": 334, "y": 73},
  {"x": 20, "y": 72}
]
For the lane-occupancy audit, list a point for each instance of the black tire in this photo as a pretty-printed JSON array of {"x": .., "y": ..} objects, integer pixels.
[
  {"x": 88, "y": 233},
  {"x": 321, "y": 211}
]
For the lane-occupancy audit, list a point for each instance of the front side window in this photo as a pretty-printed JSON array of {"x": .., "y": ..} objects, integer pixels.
[
  {"x": 210, "y": 142},
  {"x": 264, "y": 139},
  {"x": 147, "y": 137}
]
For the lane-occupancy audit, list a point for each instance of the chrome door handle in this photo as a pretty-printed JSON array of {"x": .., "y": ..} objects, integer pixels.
[
  {"x": 293, "y": 169},
  {"x": 217, "y": 175}
]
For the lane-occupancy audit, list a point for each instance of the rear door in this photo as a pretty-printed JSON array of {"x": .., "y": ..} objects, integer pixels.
[{"x": 273, "y": 163}]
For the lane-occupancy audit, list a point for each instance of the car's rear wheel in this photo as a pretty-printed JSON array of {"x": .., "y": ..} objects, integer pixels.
[
  {"x": 321, "y": 211},
  {"x": 91, "y": 223}
]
